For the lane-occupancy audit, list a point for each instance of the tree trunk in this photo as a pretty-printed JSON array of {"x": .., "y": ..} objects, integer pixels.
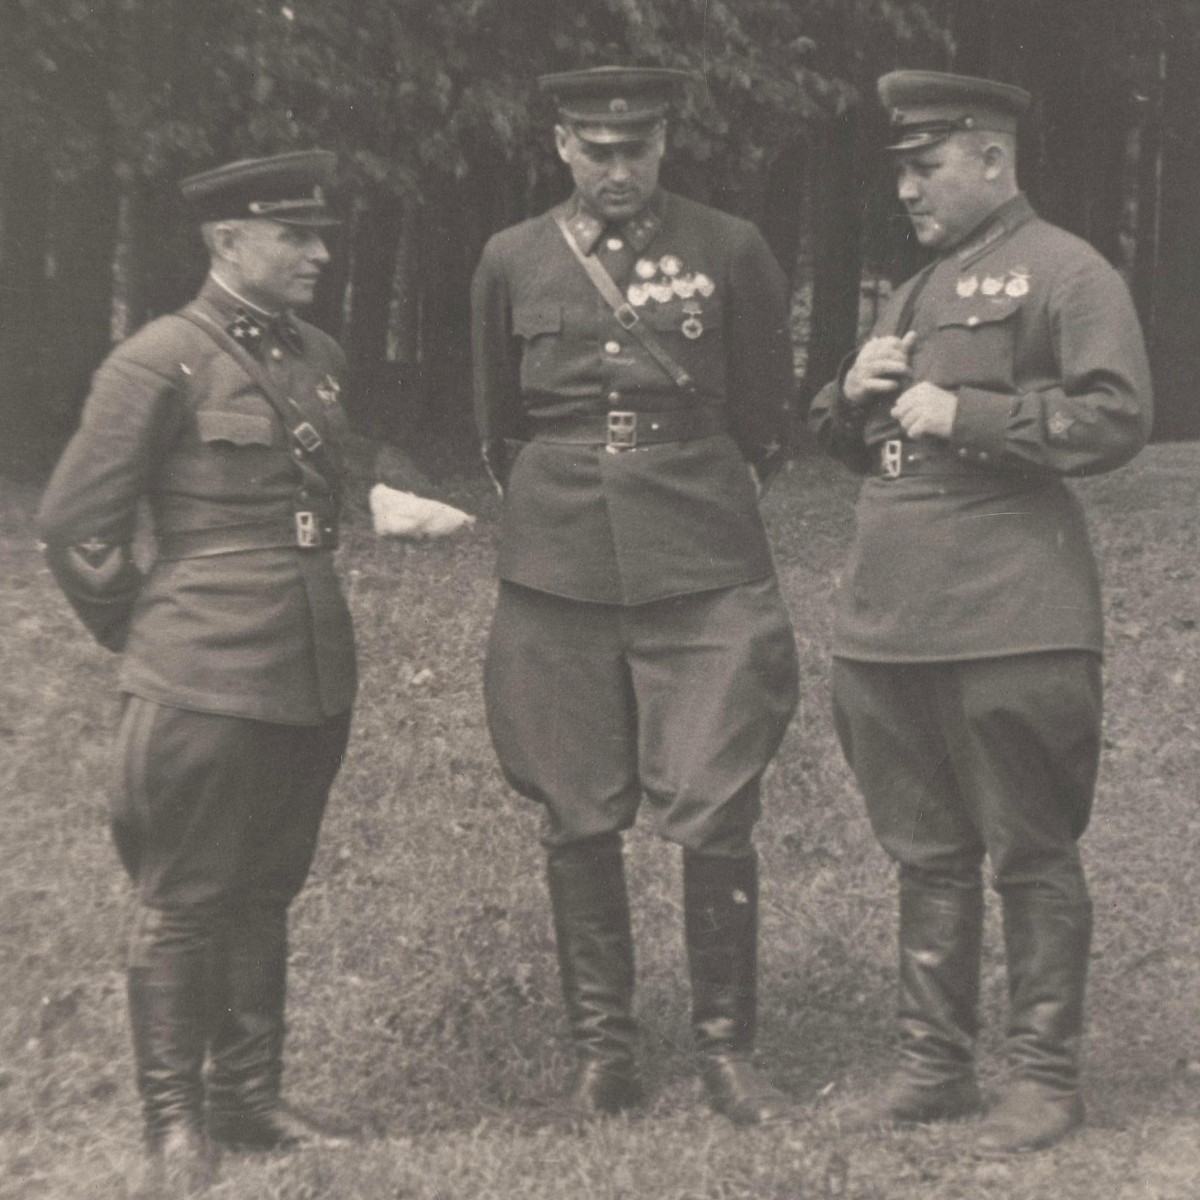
[
  {"x": 783, "y": 205},
  {"x": 837, "y": 254},
  {"x": 376, "y": 237},
  {"x": 1146, "y": 201},
  {"x": 1176, "y": 330},
  {"x": 79, "y": 295},
  {"x": 25, "y": 183}
]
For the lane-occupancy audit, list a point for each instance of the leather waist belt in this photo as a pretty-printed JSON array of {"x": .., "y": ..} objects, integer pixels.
[
  {"x": 306, "y": 531},
  {"x": 623, "y": 429},
  {"x": 897, "y": 457}
]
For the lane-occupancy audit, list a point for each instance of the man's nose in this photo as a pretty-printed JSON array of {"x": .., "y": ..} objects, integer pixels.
[
  {"x": 906, "y": 187},
  {"x": 620, "y": 167},
  {"x": 319, "y": 252}
]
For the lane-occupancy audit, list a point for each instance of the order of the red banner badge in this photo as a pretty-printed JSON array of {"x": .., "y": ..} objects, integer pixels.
[{"x": 328, "y": 390}]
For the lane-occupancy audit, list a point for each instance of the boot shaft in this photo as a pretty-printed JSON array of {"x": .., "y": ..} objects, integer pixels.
[
  {"x": 940, "y": 940},
  {"x": 1047, "y": 944},
  {"x": 720, "y": 907},
  {"x": 594, "y": 939},
  {"x": 165, "y": 983}
]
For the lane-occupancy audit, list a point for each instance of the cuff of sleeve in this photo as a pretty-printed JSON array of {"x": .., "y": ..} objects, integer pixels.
[
  {"x": 848, "y": 418},
  {"x": 981, "y": 420},
  {"x": 765, "y": 460}
]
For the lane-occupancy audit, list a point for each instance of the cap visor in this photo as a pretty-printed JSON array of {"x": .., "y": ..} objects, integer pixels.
[
  {"x": 607, "y": 135},
  {"x": 315, "y": 221}
]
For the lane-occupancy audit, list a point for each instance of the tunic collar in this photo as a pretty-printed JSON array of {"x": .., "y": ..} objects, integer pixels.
[
  {"x": 246, "y": 323},
  {"x": 1010, "y": 216},
  {"x": 638, "y": 231}
]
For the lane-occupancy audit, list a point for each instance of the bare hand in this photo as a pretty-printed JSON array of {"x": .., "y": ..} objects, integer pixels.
[
  {"x": 926, "y": 410},
  {"x": 882, "y": 364}
]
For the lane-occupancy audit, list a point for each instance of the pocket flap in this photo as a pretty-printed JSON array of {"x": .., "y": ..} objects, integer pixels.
[
  {"x": 972, "y": 312},
  {"x": 531, "y": 319},
  {"x": 241, "y": 429}
]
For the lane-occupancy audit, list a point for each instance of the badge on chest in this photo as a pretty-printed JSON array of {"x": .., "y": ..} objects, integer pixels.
[{"x": 665, "y": 281}]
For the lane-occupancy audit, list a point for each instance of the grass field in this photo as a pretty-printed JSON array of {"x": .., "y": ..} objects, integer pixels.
[{"x": 424, "y": 1005}]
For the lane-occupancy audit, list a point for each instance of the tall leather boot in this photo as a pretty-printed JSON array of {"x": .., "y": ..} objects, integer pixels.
[
  {"x": 941, "y": 935},
  {"x": 165, "y": 981},
  {"x": 595, "y": 959},
  {"x": 720, "y": 907},
  {"x": 247, "y": 990},
  {"x": 1047, "y": 943}
]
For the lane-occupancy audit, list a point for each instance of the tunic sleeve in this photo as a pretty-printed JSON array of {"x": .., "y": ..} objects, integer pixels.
[
  {"x": 837, "y": 426},
  {"x": 88, "y": 514},
  {"x": 1098, "y": 414},
  {"x": 495, "y": 362},
  {"x": 761, "y": 380}
]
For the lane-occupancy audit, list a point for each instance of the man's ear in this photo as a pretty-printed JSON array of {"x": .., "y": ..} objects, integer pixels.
[
  {"x": 995, "y": 159},
  {"x": 224, "y": 241},
  {"x": 562, "y": 142}
]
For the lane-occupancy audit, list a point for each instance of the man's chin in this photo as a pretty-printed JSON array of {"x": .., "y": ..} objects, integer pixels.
[
  {"x": 930, "y": 235},
  {"x": 621, "y": 210}
]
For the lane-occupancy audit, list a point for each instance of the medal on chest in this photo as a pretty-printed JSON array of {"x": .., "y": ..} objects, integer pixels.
[
  {"x": 666, "y": 280},
  {"x": 1013, "y": 283},
  {"x": 328, "y": 391}
]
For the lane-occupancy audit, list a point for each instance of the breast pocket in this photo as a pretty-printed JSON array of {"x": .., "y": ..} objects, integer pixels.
[
  {"x": 234, "y": 428},
  {"x": 974, "y": 346},
  {"x": 532, "y": 321}
]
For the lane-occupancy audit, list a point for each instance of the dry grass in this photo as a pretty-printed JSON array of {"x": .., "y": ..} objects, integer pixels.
[{"x": 424, "y": 1010}]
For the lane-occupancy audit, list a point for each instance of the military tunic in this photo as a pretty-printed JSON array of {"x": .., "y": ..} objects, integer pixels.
[
  {"x": 966, "y": 679},
  {"x": 1036, "y": 335},
  {"x": 667, "y": 519},
  {"x": 238, "y": 664},
  {"x": 640, "y": 645},
  {"x": 232, "y": 617}
]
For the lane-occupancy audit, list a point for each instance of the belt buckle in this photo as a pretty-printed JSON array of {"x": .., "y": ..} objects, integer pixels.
[
  {"x": 622, "y": 431},
  {"x": 308, "y": 531},
  {"x": 892, "y": 458}
]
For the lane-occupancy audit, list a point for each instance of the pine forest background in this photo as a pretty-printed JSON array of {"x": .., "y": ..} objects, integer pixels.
[{"x": 105, "y": 104}]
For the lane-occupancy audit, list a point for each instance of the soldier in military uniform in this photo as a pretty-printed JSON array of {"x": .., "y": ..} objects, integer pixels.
[
  {"x": 966, "y": 677},
  {"x": 632, "y": 372},
  {"x": 238, "y": 670}
]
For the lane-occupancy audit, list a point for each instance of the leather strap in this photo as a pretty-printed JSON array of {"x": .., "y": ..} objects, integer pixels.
[
  {"x": 307, "y": 442},
  {"x": 632, "y": 429},
  {"x": 231, "y": 539},
  {"x": 626, "y": 315},
  {"x": 909, "y": 309},
  {"x": 897, "y": 457}
]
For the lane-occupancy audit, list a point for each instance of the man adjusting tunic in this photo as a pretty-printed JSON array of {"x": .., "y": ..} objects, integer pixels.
[{"x": 966, "y": 678}]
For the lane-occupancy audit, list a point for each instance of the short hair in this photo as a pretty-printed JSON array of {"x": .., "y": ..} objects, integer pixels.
[
  {"x": 208, "y": 230},
  {"x": 980, "y": 139}
]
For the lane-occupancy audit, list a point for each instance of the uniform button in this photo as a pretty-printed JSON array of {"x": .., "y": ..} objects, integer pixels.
[
  {"x": 963, "y": 452},
  {"x": 298, "y": 452},
  {"x": 612, "y": 347},
  {"x": 972, "y": 321},
  {"x": 654, "y": 426},
  {"x": 983, "y": 456},
  {"x": 276, "y": 353},
  {"x": 614, "y": 397},
  {"x": 615, "y": 243}
]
